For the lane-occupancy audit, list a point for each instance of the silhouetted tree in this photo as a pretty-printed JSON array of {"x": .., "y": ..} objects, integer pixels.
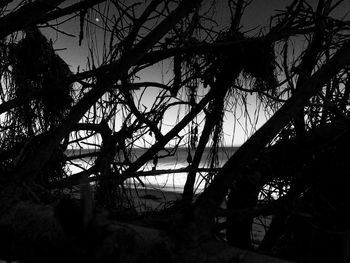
[{"x": 293, "y": 168}]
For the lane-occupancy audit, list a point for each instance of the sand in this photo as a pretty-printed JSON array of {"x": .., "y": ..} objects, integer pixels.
[{"x": 148, "y": 199}]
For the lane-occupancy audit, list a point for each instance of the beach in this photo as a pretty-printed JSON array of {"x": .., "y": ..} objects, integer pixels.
[{"x": 147, "y": 199}]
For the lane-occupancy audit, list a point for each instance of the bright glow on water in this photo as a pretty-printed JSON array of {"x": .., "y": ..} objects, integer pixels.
[{"x": 172, "y": 181}]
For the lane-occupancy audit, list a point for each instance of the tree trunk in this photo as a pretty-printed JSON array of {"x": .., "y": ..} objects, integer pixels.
[
  {"x": 244, "y": 193},
  {"x": 211, "y": 199}
]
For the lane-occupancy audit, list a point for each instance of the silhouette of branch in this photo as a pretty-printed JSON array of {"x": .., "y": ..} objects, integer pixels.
[
  {"x": 28, "y": 14},
  {"x": 210, "y": 200}
]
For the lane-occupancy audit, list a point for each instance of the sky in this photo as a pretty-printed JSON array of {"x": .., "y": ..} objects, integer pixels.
[{"x": 255, "y": 16}]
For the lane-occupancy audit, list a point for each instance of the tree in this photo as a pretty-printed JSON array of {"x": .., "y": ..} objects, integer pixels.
[{"x": 47, "y": 110}]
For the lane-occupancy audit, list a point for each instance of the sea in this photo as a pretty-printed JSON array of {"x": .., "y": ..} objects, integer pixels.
[{"x": 167, "y": 159}]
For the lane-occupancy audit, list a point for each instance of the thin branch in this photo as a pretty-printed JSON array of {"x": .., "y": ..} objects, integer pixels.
[
  {"x": 29, "y": 14},
  {"x": 212, "y": 197}
]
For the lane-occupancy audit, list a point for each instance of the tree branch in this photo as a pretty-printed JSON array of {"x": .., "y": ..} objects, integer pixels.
[
  {"x": 30, "y": 168},
  {"x": 29, "y": 14},
  {"x": 166, "y": 138},
  {"x": 68, "y": 10},
  {"x": 210, "y": 200}
]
